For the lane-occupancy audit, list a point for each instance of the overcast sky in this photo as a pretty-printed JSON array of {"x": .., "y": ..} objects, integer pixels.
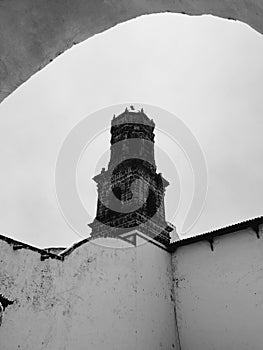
[{"x": 207, "y": 71}]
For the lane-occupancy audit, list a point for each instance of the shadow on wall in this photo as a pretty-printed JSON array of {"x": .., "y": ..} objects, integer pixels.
[{"x": 4, "y": 302}]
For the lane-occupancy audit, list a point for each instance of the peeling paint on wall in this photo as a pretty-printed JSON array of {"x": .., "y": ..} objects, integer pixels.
[
  {"x": 4, "y": 303},
  {"x": 98, "y": 297}
]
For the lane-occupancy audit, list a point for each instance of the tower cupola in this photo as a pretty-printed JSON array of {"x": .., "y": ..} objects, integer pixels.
[{"x": 130, "y": 191}]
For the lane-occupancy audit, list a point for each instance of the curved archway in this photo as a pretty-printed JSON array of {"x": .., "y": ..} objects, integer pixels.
[
  {"x": 33, "y": 33},
  {"x": 206, "y": 70}
]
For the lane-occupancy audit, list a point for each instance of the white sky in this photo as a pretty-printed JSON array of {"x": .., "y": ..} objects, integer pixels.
[{"x": 205, "y": 70}]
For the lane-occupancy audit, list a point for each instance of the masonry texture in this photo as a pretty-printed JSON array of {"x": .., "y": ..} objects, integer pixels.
[
  {"x": 33, "y": 33},
  {"x": 131, "y": 192},
  {"x": 196, "y": 294}
]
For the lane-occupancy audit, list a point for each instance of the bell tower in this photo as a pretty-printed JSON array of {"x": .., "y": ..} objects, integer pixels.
[{"x": 130, "y": 191}]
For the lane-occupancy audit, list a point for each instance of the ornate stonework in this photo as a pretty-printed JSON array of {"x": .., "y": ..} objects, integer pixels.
[{"x": 130, "y": 191}]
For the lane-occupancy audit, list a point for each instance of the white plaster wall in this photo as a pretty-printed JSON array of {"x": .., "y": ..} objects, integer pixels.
[
  {"x": 30, "y": 283},
  {"x": 97, "y": 298},
  {"x": 219, "y": 294}
]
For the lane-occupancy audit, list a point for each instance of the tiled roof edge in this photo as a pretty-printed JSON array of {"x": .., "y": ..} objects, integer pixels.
[
  {"x": 250, "y": 223},
  {"x": 70, "y": 249},
  {"x": 21, "y": 245}
]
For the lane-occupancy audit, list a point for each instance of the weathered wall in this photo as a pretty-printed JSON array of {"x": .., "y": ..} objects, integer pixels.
[
  {"x": 219, "y": 294},
  {"x": 97, "y": 298},
  {"x": 104, "y": 298},
  {"x": 33, "y": 33}
]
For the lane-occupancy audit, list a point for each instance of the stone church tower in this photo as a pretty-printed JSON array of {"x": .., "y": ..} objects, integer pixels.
[
  {"x": 198, "y": 293},
  {"x": 130, "y": 191}
]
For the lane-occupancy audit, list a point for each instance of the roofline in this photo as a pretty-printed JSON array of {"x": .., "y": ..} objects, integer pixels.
[
  {"x": 209, "y": 236},
  {"x": 44, "y": 253},
  {"x": 141, "y": 112},
  {"x": 20, "y": 245}
]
